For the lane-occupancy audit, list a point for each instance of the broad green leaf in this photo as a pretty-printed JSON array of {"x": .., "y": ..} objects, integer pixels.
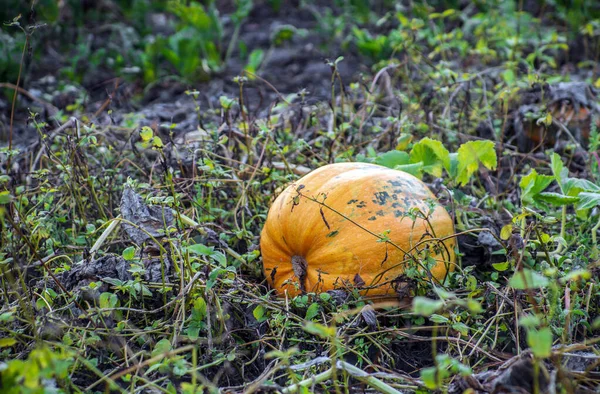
[
  {"x": 528, "y": 279},
  {"x": 415, "y": 169},
  {"x": 574, "y": 186},
  {"x": 556, "y": 199},
  {"x": 540, "y": 342},
  {"x": 588, "y": 200},
  {"x": 432, "y": 154},
  {"x": 312, "y": 311},
  {"x": 392, "y": 159},
  {"x": 532, "y": 185},
  {"x": 470, "y": 155},
  {"x": 108, "y": 300},
  {"x": 162, "y": 346},
  {"x": 426, "y": 307},
  {"x": 129, "y": 253}
]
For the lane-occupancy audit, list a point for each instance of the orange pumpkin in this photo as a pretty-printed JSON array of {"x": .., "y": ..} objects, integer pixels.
[{"x": 328, "y": 229}]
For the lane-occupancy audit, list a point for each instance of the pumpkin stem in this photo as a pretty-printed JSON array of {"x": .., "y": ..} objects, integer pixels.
[{"x": 300, "y": 267}]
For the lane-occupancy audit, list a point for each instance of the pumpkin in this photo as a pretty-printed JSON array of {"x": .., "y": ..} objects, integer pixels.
[{"x": 355, "y": 225}]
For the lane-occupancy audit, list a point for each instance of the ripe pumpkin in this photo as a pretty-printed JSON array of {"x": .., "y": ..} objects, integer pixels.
[{"x": 323, "y": 231}]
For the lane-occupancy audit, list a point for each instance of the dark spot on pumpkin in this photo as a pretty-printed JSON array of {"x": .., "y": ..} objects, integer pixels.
[
  {"x": 324, "y": 220},
  {"x": 395, "y": 196},
  {"x": 372, "y": 218},
  {"x": 273, "y": 274},
  {"x": 351, "y": 201},
  {"x": 396, "y": 205},
  {"x": 398, "y": 213},
  {"x": 332, "y": 234},
  {"x": 361, "y": 204},
  {"x": 379, "y": 213},
  {"x": 397, "y": 183},
  {"x": 381, "y": 198}
]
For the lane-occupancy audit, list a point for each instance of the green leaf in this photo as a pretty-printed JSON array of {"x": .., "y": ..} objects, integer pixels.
[
  {"x": 162, "y": 346},
  {"x": 588, "y": 200},
  {"x": 5, "y": 197},
  {"x": 426, "y": 307},
  {"x": 474, "y": 306},
  {"x": 254, "y": 60},
  {"x": 226, "y": 102},
  {"x": 432, "y": 154},
  {"x": 528, "y": 279},
  {"x": 199, "y": 309},
  {"x": 259, "y": 313},
  {"x": 415, "y": 169},
  {"x": 146, "y": 133},
  {"x": 461, "y": 327},
  {"x": 540, "y": 342},
  {"x": 574, "y": 186},
  {"x": 312, "y": 311},
  {"x": 108, "y": 300},
  {"x": 392, "y": 159},
  {"x": 319, "y": 330},
  {"x": 470, "y": 155},
  {"x": 438, "y": 318},
  {"x": 129, "y": 253},
  {"x": 430, "y": 378},
  {"x": 282, "y": 34},
  {"x": 403, "y": 141},
  {"x": 201, "y": 250},
  {"x": 558, "y": 170},
  {"x": 7, "y": 342},
  {"x": 532, "y": 185},
  {"x": 556, "y": 199},
  {"x": 529, "y": 321},
  {"x": 157, "y": 142},
  {"x": 501, "y": 266},
  {"x": 506, "y": 232}
]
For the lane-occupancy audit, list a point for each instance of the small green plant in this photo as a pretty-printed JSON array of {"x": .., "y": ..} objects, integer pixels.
[
  {"x": 39, "y": 373},
  {"x": 431, "y": 157}
]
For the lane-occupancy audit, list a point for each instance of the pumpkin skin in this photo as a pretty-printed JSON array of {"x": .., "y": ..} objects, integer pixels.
[{"x": 307, "y": 246}]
